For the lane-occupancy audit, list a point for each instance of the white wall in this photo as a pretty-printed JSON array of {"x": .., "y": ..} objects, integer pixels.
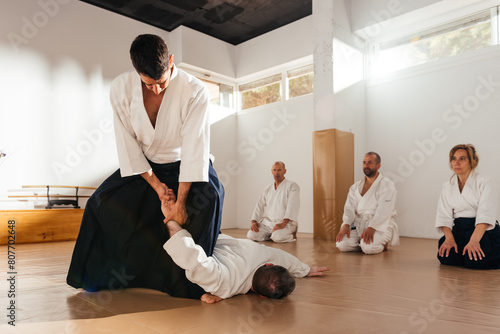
[
  {"x": 200, "y": 51},
  {"x": 350, "y": 98},
  {"x": 58, "y": 59},
  {"x": 413, "y": 122},
  {"x": 276, "y": 132},
  {"x": 282, "y": 45},
  {"x": 280, "y": 131},
  {"x": 366, "y": 13},
  {"x": 377, "y": 19},
  {"x": 57, "y": 109},
  {"x": 339, "y": 87},
  {"x": 223, "y": 136}
]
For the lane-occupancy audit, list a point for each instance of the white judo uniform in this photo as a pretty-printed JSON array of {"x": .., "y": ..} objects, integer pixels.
[
  {"x": 182, "y": 131},
  {"x": 478, "y": 199},
  {"x": 229, "y": 271},
  {"x": 273, "y": 206},
  {"x": 376, "y": 209}
]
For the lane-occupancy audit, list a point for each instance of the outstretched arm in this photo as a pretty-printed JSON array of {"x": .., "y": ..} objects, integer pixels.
[
  {"x": 200, "y": 269},
  {"x": 317, "y": 271},
  {"x": 173, "y": 228}
]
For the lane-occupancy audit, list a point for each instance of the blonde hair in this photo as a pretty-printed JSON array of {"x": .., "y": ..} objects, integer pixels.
[{"x": 471, "y": 154}]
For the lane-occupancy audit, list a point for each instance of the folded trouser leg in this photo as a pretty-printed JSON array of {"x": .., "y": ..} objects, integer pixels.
[
  {"x": 349, "y": 244},
  {"x": 263, "y": 234},
  {"x": 286, "y": 234},
  {"x": 379, "y": 240}
]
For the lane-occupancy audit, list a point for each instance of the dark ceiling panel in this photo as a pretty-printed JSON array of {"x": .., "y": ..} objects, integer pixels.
[
  {"x": 233, "y": 21},
  {"x": 188, "y": 5},
  {"x": 158, "y": 17},
  {"x": 222, "y": 13}
]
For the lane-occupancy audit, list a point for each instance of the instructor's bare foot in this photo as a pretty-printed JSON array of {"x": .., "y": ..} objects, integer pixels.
[
  {"x": 210, "y": 299},
  {"x": 173, "y": 227}
]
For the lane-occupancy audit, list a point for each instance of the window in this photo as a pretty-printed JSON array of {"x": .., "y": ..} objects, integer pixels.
[
  {"x": 260, "y": 92},
  {"x": 470, "y": 33},
  {"x": 220, "y": 94},
  {"x": 300, "y": 81}
]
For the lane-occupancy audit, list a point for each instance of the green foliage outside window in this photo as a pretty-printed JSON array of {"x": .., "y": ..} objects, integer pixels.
[
  {"x": 446, "y": 44},
  {"x": 459, "y": 41},
  {"x": 301, "y": 85},
  {"x": 261, "y": 95}
]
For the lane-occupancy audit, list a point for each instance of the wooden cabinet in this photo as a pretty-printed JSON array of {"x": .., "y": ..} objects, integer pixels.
[{"x": 40, "y": 225}]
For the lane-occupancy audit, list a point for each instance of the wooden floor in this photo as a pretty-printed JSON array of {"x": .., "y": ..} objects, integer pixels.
[{"x": 403, "y": 290}]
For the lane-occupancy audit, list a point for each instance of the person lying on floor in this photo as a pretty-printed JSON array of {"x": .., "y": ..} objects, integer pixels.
[{"x": 236, "y": 266}]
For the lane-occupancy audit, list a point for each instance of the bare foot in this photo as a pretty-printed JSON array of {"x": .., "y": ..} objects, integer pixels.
[
  {"x": 210, "y": 299},
  {"x": 386, "y": 246},
  {"x": 173, "y": 227}
]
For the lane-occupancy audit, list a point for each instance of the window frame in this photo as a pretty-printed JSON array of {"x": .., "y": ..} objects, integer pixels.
[
  {"x": 374, "y": 47},
  {"x": 273, "y": 79},
  {"x": 283, "y": 72},
  {"x": 209, "y": 76}
]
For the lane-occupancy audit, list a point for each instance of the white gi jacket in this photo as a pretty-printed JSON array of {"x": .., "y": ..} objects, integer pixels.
[
  {"x": 375, "y": 209},
  {"x": 477, "y": 200},
  {"x": 278, "y": 204},
  {"x": 229, "y": 271},
  {"x": 182, "y": 130}
]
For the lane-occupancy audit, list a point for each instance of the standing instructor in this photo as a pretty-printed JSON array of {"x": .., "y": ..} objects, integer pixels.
[{"x": 162, "y": 130}]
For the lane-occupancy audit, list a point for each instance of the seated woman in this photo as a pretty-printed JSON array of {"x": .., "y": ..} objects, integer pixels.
[{"x": 466, "y": 215}]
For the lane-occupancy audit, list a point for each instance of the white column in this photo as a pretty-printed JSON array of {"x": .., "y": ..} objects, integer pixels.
[{"x": 323, "y": 33}]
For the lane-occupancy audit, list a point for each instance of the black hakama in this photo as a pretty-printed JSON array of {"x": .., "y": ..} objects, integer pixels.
[
  {"x": 120, "y": 243},
  {"x": 490, "y": 244}
]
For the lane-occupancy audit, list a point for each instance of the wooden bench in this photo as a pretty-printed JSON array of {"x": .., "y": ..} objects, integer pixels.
[{"x": 40, "y": 225}]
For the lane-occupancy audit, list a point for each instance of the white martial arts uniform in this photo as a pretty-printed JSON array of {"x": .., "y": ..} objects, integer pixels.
[
  {"x": 229, "y": 271},
  {"x": 477, "y": 200},
  {"x": 182, "y": 130},
  {"x": 273, "y": 206},
  {"x": 124, "y": 212},
  {"x": 374, "y": 209}
]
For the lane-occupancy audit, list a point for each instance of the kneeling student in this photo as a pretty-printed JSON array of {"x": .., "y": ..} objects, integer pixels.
[{"x": 369, "y": 215}]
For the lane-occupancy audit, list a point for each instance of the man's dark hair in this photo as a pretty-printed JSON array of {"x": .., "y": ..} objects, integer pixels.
[
  {"x": 377, "y": 157},
  {"x": 150, "y": 56},
  {"x": 274, "y": 282}
]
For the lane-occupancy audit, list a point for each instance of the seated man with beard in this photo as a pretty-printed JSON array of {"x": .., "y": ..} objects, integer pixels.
[{"x": 369, "y": 214}]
